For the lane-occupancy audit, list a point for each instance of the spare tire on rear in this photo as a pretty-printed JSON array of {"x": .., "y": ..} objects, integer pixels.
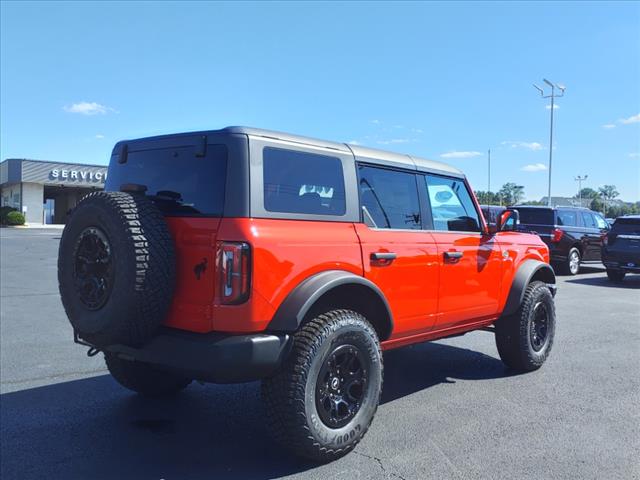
[{"x": 116, "y": 268}]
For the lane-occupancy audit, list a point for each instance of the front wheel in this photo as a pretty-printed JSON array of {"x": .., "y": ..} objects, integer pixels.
[
  {"x": 323, "y": 400},
  {"x": 615, "y": 275},
  {"x": 524, "y": 339}
]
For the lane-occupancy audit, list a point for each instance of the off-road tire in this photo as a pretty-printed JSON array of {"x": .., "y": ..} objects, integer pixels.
[
  {"x": 142, "y": 259},
  {"x": 290, "y": 396},
  {"x": 569, "y": 266},
  {"x": 513, "y": 332},
  {"x": 615, "y": 275},
  {"x": 143, "y": 378}
]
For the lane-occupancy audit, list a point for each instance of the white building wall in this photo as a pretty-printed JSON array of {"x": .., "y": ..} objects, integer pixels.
[{"x": 32, "y": 199}]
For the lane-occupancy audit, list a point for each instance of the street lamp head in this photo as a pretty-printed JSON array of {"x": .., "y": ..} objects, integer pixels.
[
  {"x": 548, "y": 82},
  {"x": 561, "y": 87},
  {"x": 539, "y": 89}
]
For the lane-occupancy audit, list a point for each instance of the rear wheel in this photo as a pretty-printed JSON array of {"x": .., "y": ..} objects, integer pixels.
[
  {"x": 323, "y": 400},
  {"x": 143, "y": 378},
  {"x": 524, "y": 339},
  {"x": 615, "y": 275},
  {"x": 572, "y": 264}
]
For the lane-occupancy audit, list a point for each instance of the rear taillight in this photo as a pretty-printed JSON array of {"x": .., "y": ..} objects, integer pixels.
[
  {"x": 556, "y": 235},
  {"x": 605, "y": 239},
  {"x": 234, "y": 272}
]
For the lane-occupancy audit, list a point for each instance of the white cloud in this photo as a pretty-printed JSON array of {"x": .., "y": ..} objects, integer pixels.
[
  {"x": 456, "y": 154},
  {"x": 534, "y": 167},
  {"x": 634, "y": 155},
  {"x": 99, "y": 136},
  {"x": 608, "y": 126},
  {"x": 88, "y": 108},
  {"x": 416, "y": 130},
  {"x": 394, "y": 141},
  {"x": 354, "y": 142},
  {"x": 375, "y": 122},
  {"x": 555, "y": 106},
  {"x": 632, "y": 119},
  {"x": 534, "y": 146}
]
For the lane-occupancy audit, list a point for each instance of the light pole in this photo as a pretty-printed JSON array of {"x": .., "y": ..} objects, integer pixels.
[
  {"x": 553, "y": 96},
  {"x": 489, "y": 176},
  {"x": 580, "y": 179}
]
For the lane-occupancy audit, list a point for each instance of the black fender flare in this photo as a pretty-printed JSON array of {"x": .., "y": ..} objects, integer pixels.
[
  {"x": 292, "y": 311},
  {"x": 527, "y": 270}
]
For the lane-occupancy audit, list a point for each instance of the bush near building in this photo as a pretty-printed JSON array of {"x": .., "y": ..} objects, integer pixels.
[
  {"x": 15, "y": 218},
  {"x": 4, "y": 211}
]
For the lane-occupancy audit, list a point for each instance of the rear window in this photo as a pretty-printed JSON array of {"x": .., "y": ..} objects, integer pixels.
[
  {"x": 301, "y": 182},
  {"x": 535, "y": 216},
  {"x": 627, "y": 225},
  {"x": 180, "y": 183}
]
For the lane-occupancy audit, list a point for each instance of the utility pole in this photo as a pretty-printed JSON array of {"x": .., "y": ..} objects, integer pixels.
[
  {"x": 580, "y": 179},
  {"x": 552, "y": 96},
  {"x": 489, "y": 176}
]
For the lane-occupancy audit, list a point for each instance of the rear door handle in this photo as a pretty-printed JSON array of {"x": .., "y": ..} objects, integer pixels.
[
  {"x": 382, "y": 259},
  {"x": 452, "y": 256},
  {"x": 383, "y": 256}
]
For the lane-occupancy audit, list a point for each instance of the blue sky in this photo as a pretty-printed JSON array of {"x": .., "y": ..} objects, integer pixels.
[{"x": 440, "y": 80}]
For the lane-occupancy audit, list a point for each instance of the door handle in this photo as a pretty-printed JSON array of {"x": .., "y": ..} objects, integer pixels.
[
  {"x": 382, "y": 259},
  {"x": 453, "y": 257}
]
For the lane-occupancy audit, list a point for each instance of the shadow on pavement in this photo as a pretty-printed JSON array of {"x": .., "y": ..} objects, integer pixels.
[
  {"x": 630, "y": 281},
  {"x": 93, "y": 428}
]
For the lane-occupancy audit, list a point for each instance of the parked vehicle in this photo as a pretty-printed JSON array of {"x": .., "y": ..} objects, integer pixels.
[
  {"x": 492, "y": 213},
  {"x": 574, "y": 235},
  {"x": 621, "y": 248},
  {"x": 241, "y": 254}
]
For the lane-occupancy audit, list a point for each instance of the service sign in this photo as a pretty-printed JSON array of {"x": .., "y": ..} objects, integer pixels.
[{"x": 84, "y": 176}]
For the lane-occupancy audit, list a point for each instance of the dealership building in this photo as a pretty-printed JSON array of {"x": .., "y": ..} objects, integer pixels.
[{"x": 47, "y": 191}]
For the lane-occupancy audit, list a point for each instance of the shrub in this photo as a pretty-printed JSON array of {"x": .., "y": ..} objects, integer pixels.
[
  {"x": 15, "y": 218},
  {"x": 4, "y": 211}
]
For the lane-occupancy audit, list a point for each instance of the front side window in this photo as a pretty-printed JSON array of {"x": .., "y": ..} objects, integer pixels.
[
  {"x": 588, "y": 220},
  {"x": 451, "y": 205},
  {"x": 301, "y": 182},
  {"x": 601, "y": 223},
  {"x": 389, "y": 198}
]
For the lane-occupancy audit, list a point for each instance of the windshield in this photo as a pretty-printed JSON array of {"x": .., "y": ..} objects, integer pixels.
[{"x": 178, "y": 181}]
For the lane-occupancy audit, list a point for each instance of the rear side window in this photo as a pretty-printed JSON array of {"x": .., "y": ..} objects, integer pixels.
[
  {"x": 179, "y": 182},
  {"x": 389, "y": 198},
  {"x": 451, "y": 205},
  {"x": 568, "y": 218},
  {"x": 535, "y": 216},
  {"x": 301, "y": 182}
]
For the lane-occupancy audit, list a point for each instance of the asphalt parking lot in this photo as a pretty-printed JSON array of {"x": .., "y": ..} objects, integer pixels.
[{"x": 450, "y": 409}]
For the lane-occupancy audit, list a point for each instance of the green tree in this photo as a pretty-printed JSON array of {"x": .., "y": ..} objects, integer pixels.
[
  {"x": 487, "y": 198},
  {"x": 587, "y": 192},
  {"x": 511, "y": 194},
  {"x": 608, "y": 192}
]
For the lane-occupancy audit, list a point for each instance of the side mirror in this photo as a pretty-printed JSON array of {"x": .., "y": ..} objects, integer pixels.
[{"x": 508, "y": 220}]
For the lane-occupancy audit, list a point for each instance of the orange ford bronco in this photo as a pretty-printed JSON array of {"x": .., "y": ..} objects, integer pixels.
[{"x": 241, "y": 254}]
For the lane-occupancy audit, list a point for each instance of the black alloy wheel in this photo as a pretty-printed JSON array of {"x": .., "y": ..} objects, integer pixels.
[
  {"x": 539, "y": 326},
  {"x": 340, "y": 386},
  {"x": 93, "y": 271}
]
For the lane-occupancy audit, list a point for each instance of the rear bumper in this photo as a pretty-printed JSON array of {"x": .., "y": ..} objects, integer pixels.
[{"x": 212, "y": 357}]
